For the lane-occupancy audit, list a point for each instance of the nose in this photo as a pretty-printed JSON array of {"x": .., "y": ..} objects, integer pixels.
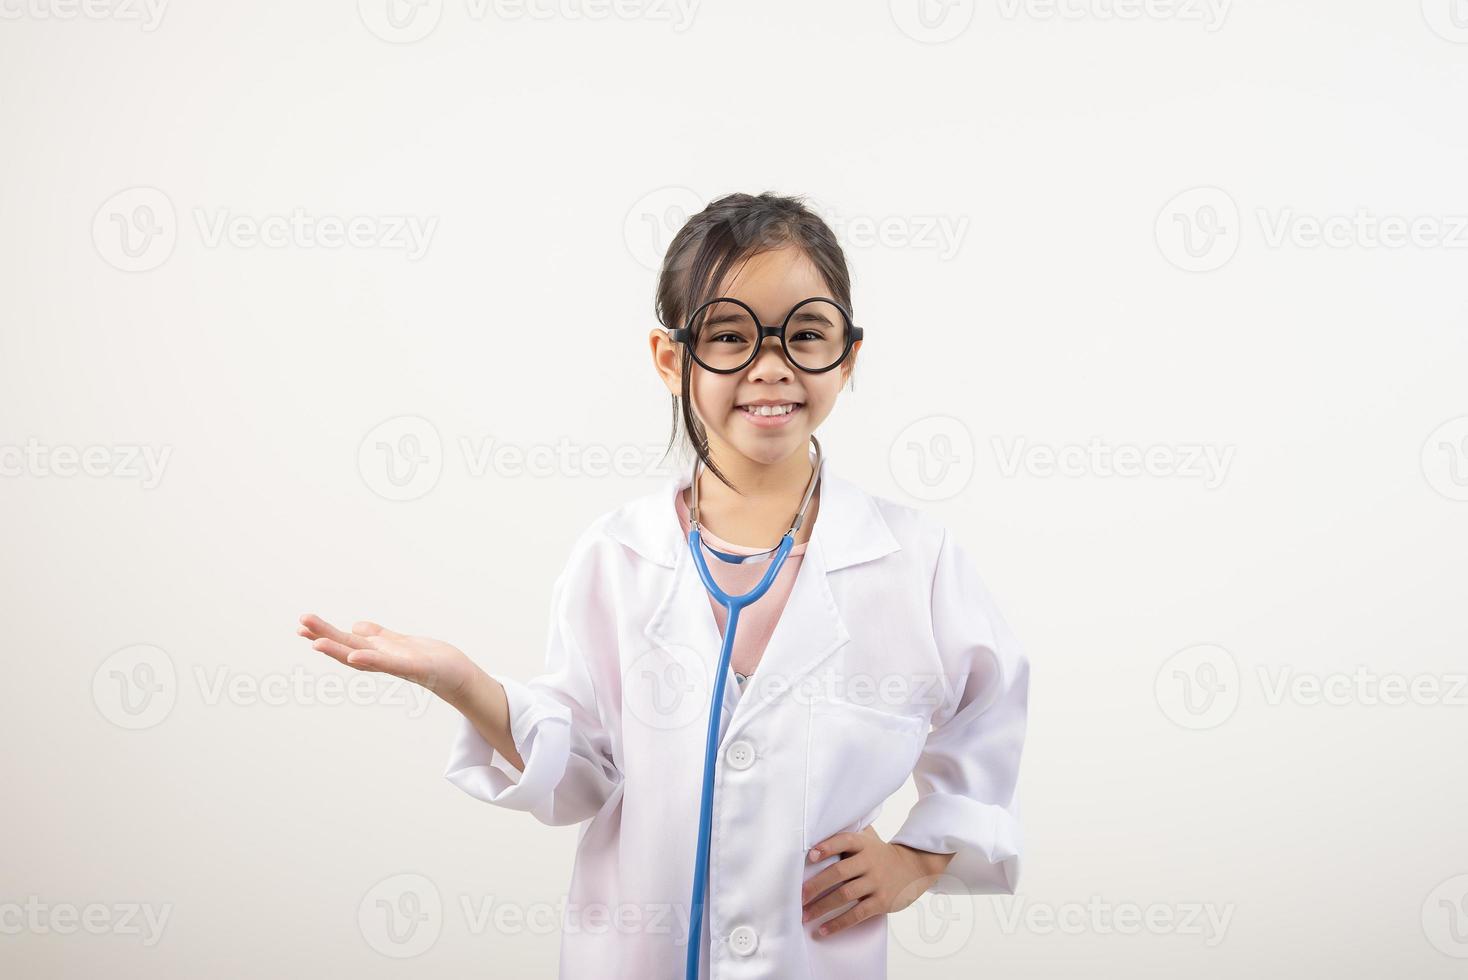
[{"x": 770, "y": 363}]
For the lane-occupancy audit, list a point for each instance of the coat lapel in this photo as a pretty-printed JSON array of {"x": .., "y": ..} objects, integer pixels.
[{"x": 849, "y": 529}]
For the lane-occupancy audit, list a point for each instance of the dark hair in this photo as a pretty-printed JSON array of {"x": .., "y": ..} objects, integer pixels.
[{"x": 732, "y": 230}]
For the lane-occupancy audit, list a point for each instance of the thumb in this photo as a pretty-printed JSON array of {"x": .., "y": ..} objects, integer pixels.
[
  {"x": 382, "y": 654},
  {"x": 368, "y": 628}
]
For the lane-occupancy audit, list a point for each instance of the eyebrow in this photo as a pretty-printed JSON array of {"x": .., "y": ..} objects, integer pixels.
[
  {"x": 809, "y": 314},
  {"x": 728, "y": 312},
  {"x": 724, "y": 316}
]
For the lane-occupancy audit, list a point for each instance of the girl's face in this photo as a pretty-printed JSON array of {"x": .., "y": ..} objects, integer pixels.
[{"x": 771, "y": 283}]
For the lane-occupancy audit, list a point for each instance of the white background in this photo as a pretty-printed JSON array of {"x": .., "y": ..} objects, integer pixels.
[{"x": 1080, "y": 302}]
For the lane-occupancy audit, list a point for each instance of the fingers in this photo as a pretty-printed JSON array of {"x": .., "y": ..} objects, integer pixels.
[
  {"x": 368, "y": 628},
  {"x": 343, "y": 654},
  {"x": 368, "y": 647},
  {"x": 864, "y": 910},
  {"x": 836, "y": 874},
  {"x": 850, "y": 891},
  {"x": 314, "y": 626},
  {"x": 387, "y": 656},
  {"x": 838, "y": 844}
]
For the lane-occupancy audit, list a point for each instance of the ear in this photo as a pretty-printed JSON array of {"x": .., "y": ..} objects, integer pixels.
[
  {"x": 667, "y": 359},
  {"x": 848, "y": 367}
]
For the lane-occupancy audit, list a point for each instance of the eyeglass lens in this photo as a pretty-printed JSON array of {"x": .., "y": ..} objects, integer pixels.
[{"x": 724, "y": 335}]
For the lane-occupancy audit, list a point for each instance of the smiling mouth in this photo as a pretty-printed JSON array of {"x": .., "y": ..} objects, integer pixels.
[{"x": 768, "y": 410}]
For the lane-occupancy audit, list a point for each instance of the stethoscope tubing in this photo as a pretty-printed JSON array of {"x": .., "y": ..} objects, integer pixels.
[{"x": 733, "y": 604}]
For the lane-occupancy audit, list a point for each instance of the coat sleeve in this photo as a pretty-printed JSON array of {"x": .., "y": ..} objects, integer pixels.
[
  {"x": 967, "y": 773},
  {"x": 555, "y": 721}
]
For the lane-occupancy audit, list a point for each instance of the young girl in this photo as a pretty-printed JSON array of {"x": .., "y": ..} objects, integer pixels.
[{"x": 876, "y": 654}]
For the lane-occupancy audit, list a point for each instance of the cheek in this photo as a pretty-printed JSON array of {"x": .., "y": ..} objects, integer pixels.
[
  {"x": 712, "y": 395},
  {"x": 821, "y": 391}
]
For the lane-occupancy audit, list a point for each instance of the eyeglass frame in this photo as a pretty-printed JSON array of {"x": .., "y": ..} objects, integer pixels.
[{"x": 684, "y": 335}]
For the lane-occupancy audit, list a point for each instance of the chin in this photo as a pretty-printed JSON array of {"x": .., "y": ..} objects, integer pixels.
[{"x": 770, "y": 447}]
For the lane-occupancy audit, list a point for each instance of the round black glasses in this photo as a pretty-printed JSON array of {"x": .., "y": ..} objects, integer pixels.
[{"x": 724, "y": 335}]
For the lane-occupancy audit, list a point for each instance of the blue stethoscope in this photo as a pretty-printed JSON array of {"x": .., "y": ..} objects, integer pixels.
[{"x": 733, "y": 603}]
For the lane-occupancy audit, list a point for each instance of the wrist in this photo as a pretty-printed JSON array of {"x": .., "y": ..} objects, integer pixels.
[
  {"x": 928, "y": 862},
  {"x": 474, "y": 693}
]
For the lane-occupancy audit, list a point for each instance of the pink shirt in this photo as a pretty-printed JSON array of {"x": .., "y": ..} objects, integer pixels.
[{"x": 757, "y": 621}]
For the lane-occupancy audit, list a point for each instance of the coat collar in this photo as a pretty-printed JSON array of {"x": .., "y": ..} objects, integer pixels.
[{"x": 849, "y": 529}]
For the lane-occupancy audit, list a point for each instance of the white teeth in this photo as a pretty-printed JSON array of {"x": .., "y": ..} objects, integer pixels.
[{"x": 769, "y": 409}]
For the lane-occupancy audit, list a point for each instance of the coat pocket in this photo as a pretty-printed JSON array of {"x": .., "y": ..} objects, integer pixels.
[{"x": 856, "y": 757}]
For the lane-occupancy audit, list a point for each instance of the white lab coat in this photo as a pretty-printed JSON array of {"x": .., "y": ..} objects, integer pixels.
[{"x": 613, "y": 734}]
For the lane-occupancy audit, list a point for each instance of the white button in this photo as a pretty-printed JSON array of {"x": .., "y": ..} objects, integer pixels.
[
  {"x": 744, "y": 940},
  {"x": 740, "y": 754}
]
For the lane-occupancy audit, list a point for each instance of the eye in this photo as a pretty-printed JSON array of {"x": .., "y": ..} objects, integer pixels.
[{"x": 727, "y": 337}]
